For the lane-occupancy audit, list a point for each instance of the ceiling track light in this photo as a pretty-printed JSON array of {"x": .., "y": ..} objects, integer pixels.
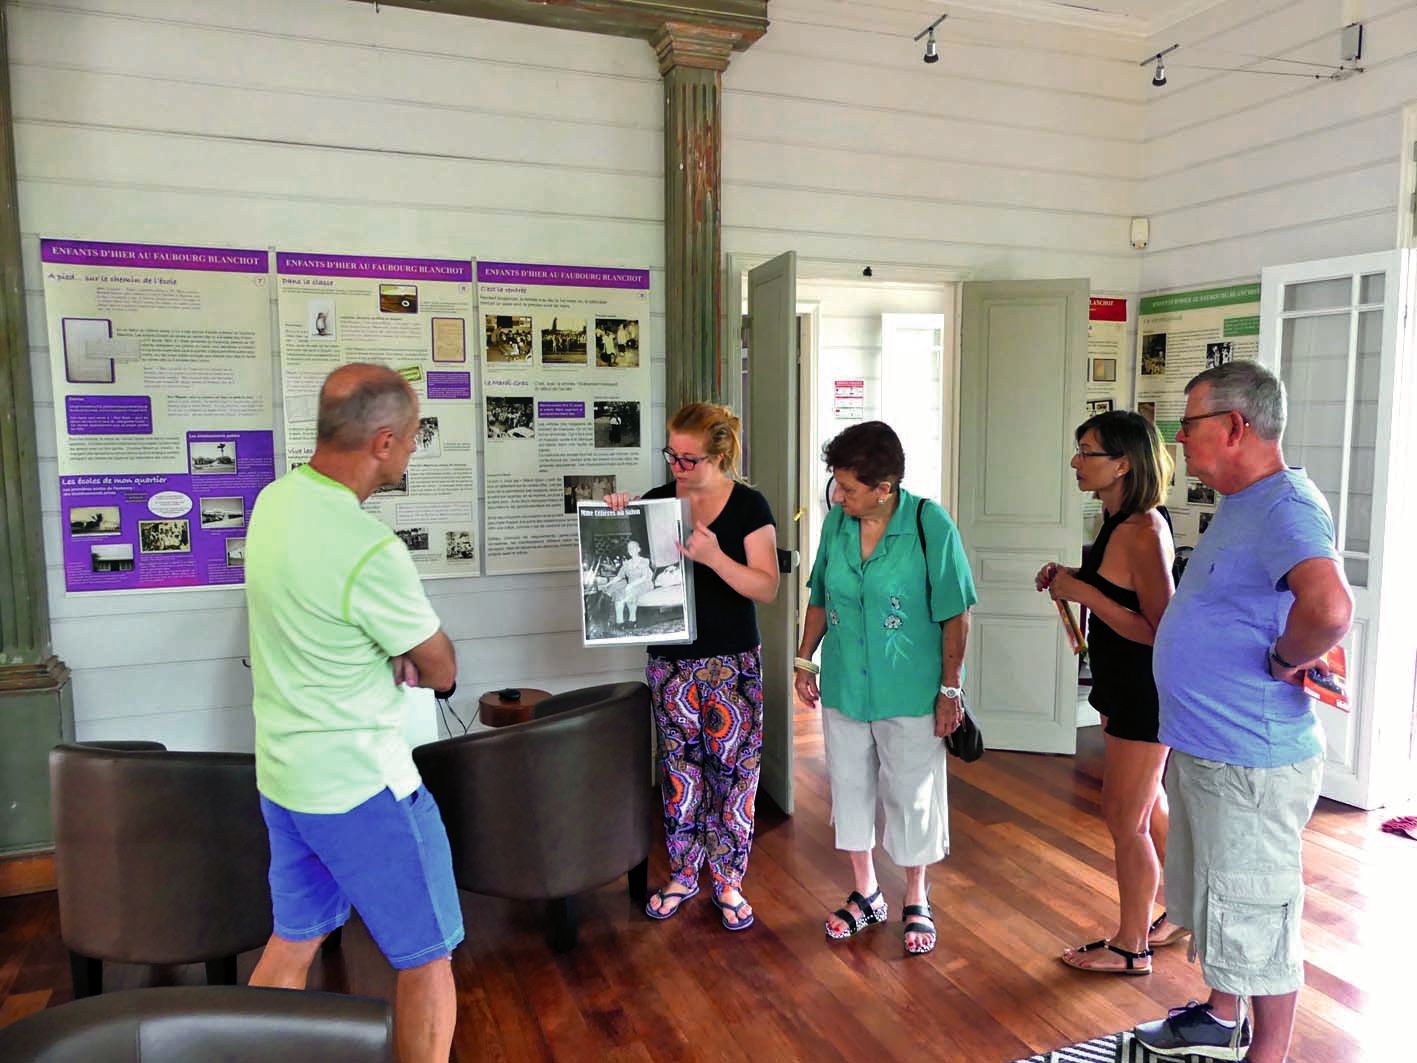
[
  {"x": 932, "y": 51},
  {"x": 1158, "y": 78},
  {"x": 1350, "y": 53}
]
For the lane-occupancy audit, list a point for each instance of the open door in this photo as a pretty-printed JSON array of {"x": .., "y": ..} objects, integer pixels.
[
  {"x": 1022, "y": 378},
  {"x": 772, "y": 467},
  {"x": 1333, "y": 331}
]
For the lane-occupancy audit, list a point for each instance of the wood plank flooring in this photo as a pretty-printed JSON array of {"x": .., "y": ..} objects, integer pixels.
[{"x": 1029, "y": 873}]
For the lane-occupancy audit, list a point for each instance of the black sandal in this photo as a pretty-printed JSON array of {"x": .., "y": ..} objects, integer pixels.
[
  {"x": 1093, "y": 946},
  {"x": 919, "y": 910},
  {"x": 875, "y": 911}
]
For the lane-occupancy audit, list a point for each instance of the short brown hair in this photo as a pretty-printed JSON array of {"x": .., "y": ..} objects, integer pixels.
[
  {"x": 1123, "y": 434},
  {"x": 870, "y": 450},
  {"x": 720, "y": 428}
]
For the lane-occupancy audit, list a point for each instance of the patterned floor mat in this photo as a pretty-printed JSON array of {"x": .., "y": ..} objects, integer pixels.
[{"x": 1114, "y": 1048}]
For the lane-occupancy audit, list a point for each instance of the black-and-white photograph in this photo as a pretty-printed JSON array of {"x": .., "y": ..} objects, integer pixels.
[
  {"x": 617, "y": 342},
  {"x": 223, "y": 512},
  {"x": 1153, "y": 354},
  {"x": 164, "y": 536},
  {"x": 400, "y": 488},
  {"x": 617, "y": 424},
  {"x": 398, "y": 298},
  {"x": 413, "y": 538},
  {"x": 212, "y": 457},
  {"x": 236, "y": 552},
  {"x": 564, "y": 342},
  {"x": 1200, "y": 495},
  {"x": 635, "y": 585},
  {"x": 580, "y": 489},
  {"x": 1096, "y": 406},
  {"x": 510, "y": 417},
  {"x": 508, "y": 338},
  {"x": 1204, "y": 521},
  {"x": 111, "y": 557},
  {"x": 94, "y": 520},
  {"x": 320, "y": 318},
  {"x": 461, "y": 547},
  {"x": 1218, "y": 354},
  {"x": 427, "y": 441}
]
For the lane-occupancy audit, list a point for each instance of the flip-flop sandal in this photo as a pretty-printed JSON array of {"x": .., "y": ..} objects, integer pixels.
[
  {"x": 1093, "y": 946},
  {"x": 919, "y": 928},
  {"x": 1175, "y": 934},
  {"x": 665, "y": 898},
  {"x": 875, "y": 908},
  {"x": 741, "y": 921},
  {"x": 1403, "y": 826}
]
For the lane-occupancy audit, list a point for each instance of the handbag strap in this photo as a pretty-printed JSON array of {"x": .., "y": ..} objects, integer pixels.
[{"x": 925, "y": 553}]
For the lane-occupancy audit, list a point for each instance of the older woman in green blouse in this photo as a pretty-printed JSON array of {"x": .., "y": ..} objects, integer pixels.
[{"x": 892, "y": 671}]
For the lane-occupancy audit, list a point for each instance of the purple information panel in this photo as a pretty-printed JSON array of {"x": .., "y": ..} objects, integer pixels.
[
  {"x": 144, "y": 532},
  {"x": 443, "y": 384},
  {"x": 571, "y": 410},
  {"x": 562, "y": 276},
  {"x": 430, "y": 269},
  {"x": 153, "y": 256},
  {"x": 108, "y": 415}
]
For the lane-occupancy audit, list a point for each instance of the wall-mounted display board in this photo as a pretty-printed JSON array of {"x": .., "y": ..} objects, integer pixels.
[
  {"x": 566, "y": 370},
  {"x": 415, "y": 316},
  {"x": 1106, "y": 370},
  {"x": 1179, "y": 334},
  {"x": 160, "y": 364}
]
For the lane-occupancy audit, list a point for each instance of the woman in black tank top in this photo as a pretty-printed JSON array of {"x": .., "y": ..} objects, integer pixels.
[{"x": 1125, "y": 583}]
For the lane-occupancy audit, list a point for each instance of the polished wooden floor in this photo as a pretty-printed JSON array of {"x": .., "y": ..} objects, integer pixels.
[{"x": 1029, "y": 874}]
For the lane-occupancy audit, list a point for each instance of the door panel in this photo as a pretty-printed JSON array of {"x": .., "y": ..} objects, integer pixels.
[
  {"x": 772, "y": 457},
  {"x": 1022, "y": 373}
]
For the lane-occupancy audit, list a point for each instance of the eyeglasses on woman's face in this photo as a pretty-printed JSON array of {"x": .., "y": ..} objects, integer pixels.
[
  {"x": 682, "y": 461},
  {"x": 1079, "y": 452}
]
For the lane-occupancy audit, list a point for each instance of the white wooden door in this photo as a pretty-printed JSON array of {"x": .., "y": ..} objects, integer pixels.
[
  {"x": 772, "y": 461},
  {"x": 914, "y": 397},
  {"x": 1331, "y": 330},
  {"x": 1022, "y": 379}
]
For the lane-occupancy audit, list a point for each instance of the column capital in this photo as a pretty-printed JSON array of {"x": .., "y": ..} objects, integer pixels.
[{"x": 685, "y": 44}]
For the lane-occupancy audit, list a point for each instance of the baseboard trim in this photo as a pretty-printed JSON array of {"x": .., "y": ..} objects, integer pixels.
[{"x": 27, "y": 873}]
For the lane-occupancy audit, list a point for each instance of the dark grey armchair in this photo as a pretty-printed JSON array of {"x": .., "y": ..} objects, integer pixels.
[
  {"x": 553, "y": 807},
  {"x": 161, "y": 858},
  {"x": 205, "y": 1024}
]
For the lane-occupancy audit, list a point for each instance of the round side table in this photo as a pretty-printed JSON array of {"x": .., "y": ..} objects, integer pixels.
[{"x": 500, "y": 708}]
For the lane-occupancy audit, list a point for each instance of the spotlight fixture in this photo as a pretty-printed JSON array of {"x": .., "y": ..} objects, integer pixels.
[
  {"x": 932, "y": 51},
  {"x": 1158, "y": 78}
]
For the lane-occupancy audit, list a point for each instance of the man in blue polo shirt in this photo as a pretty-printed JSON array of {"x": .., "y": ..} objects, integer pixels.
[
  {"x": 1263, "y": 597},
  {"x": 338, "y": 623}
]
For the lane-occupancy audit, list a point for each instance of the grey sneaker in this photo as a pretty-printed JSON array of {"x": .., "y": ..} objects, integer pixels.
[{"x": 1190, "y": 1031}]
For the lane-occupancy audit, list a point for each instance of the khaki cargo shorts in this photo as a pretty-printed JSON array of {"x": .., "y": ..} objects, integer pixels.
[{"x": 1233, "y": 868}]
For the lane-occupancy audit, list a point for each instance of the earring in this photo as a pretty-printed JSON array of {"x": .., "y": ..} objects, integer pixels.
[{"x": 880, "y": 501}]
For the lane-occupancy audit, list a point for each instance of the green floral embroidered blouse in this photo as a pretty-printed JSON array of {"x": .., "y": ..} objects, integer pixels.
[{"x": 882, "y": 655}]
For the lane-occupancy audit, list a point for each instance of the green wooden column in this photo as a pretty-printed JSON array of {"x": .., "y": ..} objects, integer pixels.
[
  {"x": 36, "y": 708},
  {"x": 692, "y": 59}
]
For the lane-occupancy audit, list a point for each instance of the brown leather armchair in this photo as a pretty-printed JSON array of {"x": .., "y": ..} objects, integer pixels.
[
  {"x": 161, "y": 858},
  {"x": 205, "y": 1024},
  {"x": 553, "y": 807}
]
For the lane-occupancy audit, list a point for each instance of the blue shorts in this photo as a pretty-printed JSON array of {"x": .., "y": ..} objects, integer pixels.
[{"x": 387, "y": 858}]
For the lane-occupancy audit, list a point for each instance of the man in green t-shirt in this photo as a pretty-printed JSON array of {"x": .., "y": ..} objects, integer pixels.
[{"x": 339, "y": 626}]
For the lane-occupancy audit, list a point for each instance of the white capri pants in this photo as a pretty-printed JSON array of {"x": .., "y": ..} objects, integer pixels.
[{"x": 901, "y": 761}]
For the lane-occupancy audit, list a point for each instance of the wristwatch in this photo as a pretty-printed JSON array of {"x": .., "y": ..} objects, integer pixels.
[{"x": 953, "y": 693}]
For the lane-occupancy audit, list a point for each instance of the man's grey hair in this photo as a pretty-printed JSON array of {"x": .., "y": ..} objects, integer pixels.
[
  {"x": 1249, "y": 389},
  {"x": 379, "y": 398}
]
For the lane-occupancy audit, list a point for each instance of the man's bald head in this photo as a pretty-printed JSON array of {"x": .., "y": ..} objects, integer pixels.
[{"x": 358, "y": 400}]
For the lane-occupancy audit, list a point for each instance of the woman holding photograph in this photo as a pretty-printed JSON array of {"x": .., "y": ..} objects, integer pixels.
[
  {"x": 708, "y": 695},
  {"x": 1125, "y": 582},
  {"x": 892, "y": 672}
]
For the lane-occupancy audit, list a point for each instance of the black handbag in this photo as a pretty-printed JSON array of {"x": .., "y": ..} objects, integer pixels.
[{"x": 967, "y": 740}]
